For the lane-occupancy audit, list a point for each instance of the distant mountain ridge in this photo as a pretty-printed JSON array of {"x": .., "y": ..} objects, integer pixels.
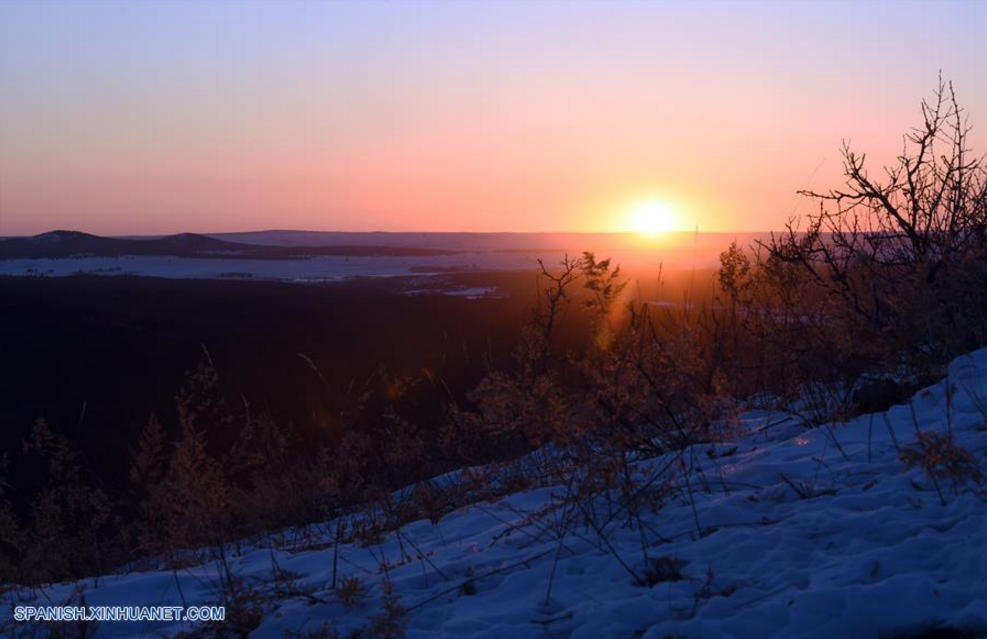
[
  {"x": 681, "y": 243},
  {"x": 64, "y": 244}
]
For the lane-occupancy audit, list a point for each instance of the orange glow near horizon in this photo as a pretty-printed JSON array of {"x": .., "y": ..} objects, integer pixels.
[{"x": 151, "y": 118}]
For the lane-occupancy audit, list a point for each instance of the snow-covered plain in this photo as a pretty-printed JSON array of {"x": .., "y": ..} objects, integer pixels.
[
  {"x": 470, "y": 293},
  {"x": 468, "y": 252},
  {"x": 799, "y": 541},
  {"x": 309, "y": 270}
]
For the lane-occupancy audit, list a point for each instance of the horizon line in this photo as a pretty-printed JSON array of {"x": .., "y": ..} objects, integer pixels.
[{"x": 695, "y": 231}]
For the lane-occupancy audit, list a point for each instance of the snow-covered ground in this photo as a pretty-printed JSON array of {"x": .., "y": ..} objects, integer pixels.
[
  {"x": 800, "y": 540},
  {"x": 470, "y": 252},
  {"x": 314, "y": 269},
  {"x": 471, "y": 293}
]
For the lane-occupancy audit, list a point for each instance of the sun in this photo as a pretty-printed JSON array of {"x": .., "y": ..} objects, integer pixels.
[{"x": 651, "y": 218}]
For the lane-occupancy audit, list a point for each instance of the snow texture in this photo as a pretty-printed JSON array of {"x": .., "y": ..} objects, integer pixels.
[{"x": 865, "y": 551}]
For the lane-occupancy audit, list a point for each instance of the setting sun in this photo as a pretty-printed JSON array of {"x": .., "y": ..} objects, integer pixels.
[{"x": 653, "y": 217}]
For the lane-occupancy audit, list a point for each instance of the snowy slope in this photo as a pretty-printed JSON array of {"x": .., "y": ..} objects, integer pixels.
[{"x": 866, "y": 551}]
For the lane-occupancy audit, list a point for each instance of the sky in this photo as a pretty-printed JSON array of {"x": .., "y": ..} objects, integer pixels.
[{"x": 144, "y": 117}]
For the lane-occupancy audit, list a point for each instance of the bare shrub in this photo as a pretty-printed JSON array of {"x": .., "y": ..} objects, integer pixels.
[
  {"x": 882, "y": 281},
  {"x": 351, "y": 592},
  {"x": 66, "y": 516},
  {"x": 899, "y": 261},
  {"x": 941, "y": 459},
  {"x": 647, "y": 385},
  {"x": 390, "y": 622}
]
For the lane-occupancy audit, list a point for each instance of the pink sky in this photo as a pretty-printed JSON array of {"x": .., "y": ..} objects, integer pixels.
[{"x": 157, "y": 117}]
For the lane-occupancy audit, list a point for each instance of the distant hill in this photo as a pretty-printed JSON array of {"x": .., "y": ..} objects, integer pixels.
[
  {"x": 63, "y": 244},
  {"x": 498, "y": 241}
]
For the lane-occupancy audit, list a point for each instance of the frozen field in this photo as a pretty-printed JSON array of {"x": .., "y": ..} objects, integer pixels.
[
  {"x": 315, "y": 269},
  {"x": 470, "y": 252}
]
